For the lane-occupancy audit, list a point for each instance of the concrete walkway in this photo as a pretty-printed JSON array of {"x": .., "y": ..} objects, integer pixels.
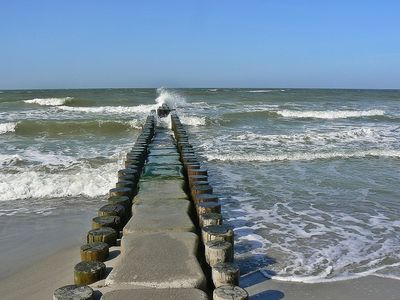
[{"x": 159, "y": 247}]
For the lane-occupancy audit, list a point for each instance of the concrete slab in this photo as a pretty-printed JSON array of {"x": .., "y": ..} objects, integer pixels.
[
  {"x": 164, "y": 151},
  {"x": 167, "y": 171},
  {"x": 171, "y": 189},
  {"x": 158, "y": 260},
  {"x": 163, "y": 160},
  {"x": 182, "y": 205},
  {"x": 164, "y": 217},
  {"x": 156, "y": 294}
]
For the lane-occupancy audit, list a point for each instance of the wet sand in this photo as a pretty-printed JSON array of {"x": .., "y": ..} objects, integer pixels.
[
  {"x": 366, "y": 288},
  {"x": 41, "y": 279}
]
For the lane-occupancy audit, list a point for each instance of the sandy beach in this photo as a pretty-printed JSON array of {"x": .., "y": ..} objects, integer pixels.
[
  {"x": 39, "y": 280},
  {"x": 365, "y": 288},
  {"x": 38, "y": 253}
]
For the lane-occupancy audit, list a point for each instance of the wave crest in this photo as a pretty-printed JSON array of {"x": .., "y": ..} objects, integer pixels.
[
  {"x": 331, "y": 114},
  {"x": 49, "y": 101},
  {"x": 90, "y": 182},
  {"x": 303, "y": 156},
  {"x": 111, "y": 109},
  {"x": 7, "y": 127}
]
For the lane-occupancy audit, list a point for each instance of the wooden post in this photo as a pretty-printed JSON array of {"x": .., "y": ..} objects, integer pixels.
[
  {"x": 208, "y": 207},
  {"x": 73, "y": 291},
  {"x": 208, "y": 219},
  {"x": 123, "y": 172},
  {"x": 205, "y": 198},
  {"x": 218, "y": 251},
  {"x": 95, "y": 252},
  {"x": 104, "y": 234},
  {"x": 122, "y": 200},
  {"x": 200, "y": 189},
  {"x": 224, "y": 273},
  {"x": 217, "y": 232},
  {"x": 230, "y": 292},
  {"x": 121, "y": 192},
  {"x": 200, "y": 171},
  {"x": 107, "y": 221},
  {"x": 193, "y": 178},
  {"x": 113, "y": 210},
  {"x": 87, "y": 272},
  {"x": 125, "y": 183}
]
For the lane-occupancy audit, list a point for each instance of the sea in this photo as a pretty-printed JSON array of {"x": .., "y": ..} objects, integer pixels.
[{"x": 308, "y": 178}]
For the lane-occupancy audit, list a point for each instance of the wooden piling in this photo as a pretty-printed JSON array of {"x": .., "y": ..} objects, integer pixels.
[
  {"x": 73, "y": 292},
  {"x": 95, "y": 251},
  {"x": 230, "y": 292},
  {"x": 225, "y": 273},
  {"x": 88, "y": 272},
  {"x": 218, "y": 251},
  {"x": 104, "y": 234}
]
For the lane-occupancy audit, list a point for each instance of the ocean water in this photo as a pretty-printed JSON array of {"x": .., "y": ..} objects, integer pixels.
[{"x": 308, "y": 178}]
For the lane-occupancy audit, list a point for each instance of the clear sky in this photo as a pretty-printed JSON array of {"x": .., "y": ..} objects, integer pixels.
[{"x": 199, "y": 43}]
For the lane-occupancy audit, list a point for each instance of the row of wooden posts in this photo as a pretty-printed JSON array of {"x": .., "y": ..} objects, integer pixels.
[
  {"x": 112, "y": 217},
  {"x": 218, "y": 239}
]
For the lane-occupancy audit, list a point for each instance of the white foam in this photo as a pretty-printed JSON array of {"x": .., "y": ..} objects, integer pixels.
[
  {"x": 346, "y": 135},
  {"x": 7, "y": 127},
  {"x": 330, "y": 114},
  {"x": 303, "y": 156},
  {"x": 172, "y": 98},
  {"x": 111, "y": 109},
  {"x": 85, "y": 181},
  {"x": 260, "y": 91},
  {"x": 9, "y": 159},
  {"x": 49, "y": 101},
  {"x": 136, "y": 124},
  {"x": 192, "y": 120}
]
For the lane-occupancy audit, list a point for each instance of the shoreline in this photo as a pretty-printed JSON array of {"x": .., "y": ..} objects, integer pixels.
[
  {"x": 40, "y": 279},
  {"x": 364, "y": 288}
]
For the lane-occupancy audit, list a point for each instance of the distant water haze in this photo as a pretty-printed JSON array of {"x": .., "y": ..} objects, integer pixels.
[{"x": 308, "y": 178}]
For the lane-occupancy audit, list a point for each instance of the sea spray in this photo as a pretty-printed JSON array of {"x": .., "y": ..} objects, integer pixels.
[{"x": 172, "y": 98}]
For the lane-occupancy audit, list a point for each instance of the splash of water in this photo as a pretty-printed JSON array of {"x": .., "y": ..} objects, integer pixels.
[{"x": 170, "y": 97}]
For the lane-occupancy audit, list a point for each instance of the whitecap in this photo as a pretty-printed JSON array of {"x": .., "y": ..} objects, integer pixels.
[
  {"x": 111, "y": 109},
  {"x": 90, "y": 182},
  {"x": 193, "y": 121},
  {"x": 8, "y": 127},
  {"x": 49, "y": 101},
  {"x": 260, "y": 91},
  {"x": 299, "y": 156},
  {"x": 330, "y": 114}
]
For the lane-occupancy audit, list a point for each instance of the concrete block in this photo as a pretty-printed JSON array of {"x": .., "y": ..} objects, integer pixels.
[
  {"x": 163, "y": 171},
  {"x": 155, "y": 294},
  {"x": 161, "y": 217},
  {"x": 169, "y": 189},
  {"x": 158, "y": 260}
]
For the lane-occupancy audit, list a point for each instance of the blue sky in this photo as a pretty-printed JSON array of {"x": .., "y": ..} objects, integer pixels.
[{"x": 199, "y": 43}]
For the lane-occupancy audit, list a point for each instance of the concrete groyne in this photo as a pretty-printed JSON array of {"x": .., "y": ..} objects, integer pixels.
[{"x": 161, "y": 235}]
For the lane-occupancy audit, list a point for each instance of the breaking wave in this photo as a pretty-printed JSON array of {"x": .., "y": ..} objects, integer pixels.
[
  {"x": 49, "y": 101},
  {"x": 303, "y": 156},
  {"x": 331, "y": 114}
]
